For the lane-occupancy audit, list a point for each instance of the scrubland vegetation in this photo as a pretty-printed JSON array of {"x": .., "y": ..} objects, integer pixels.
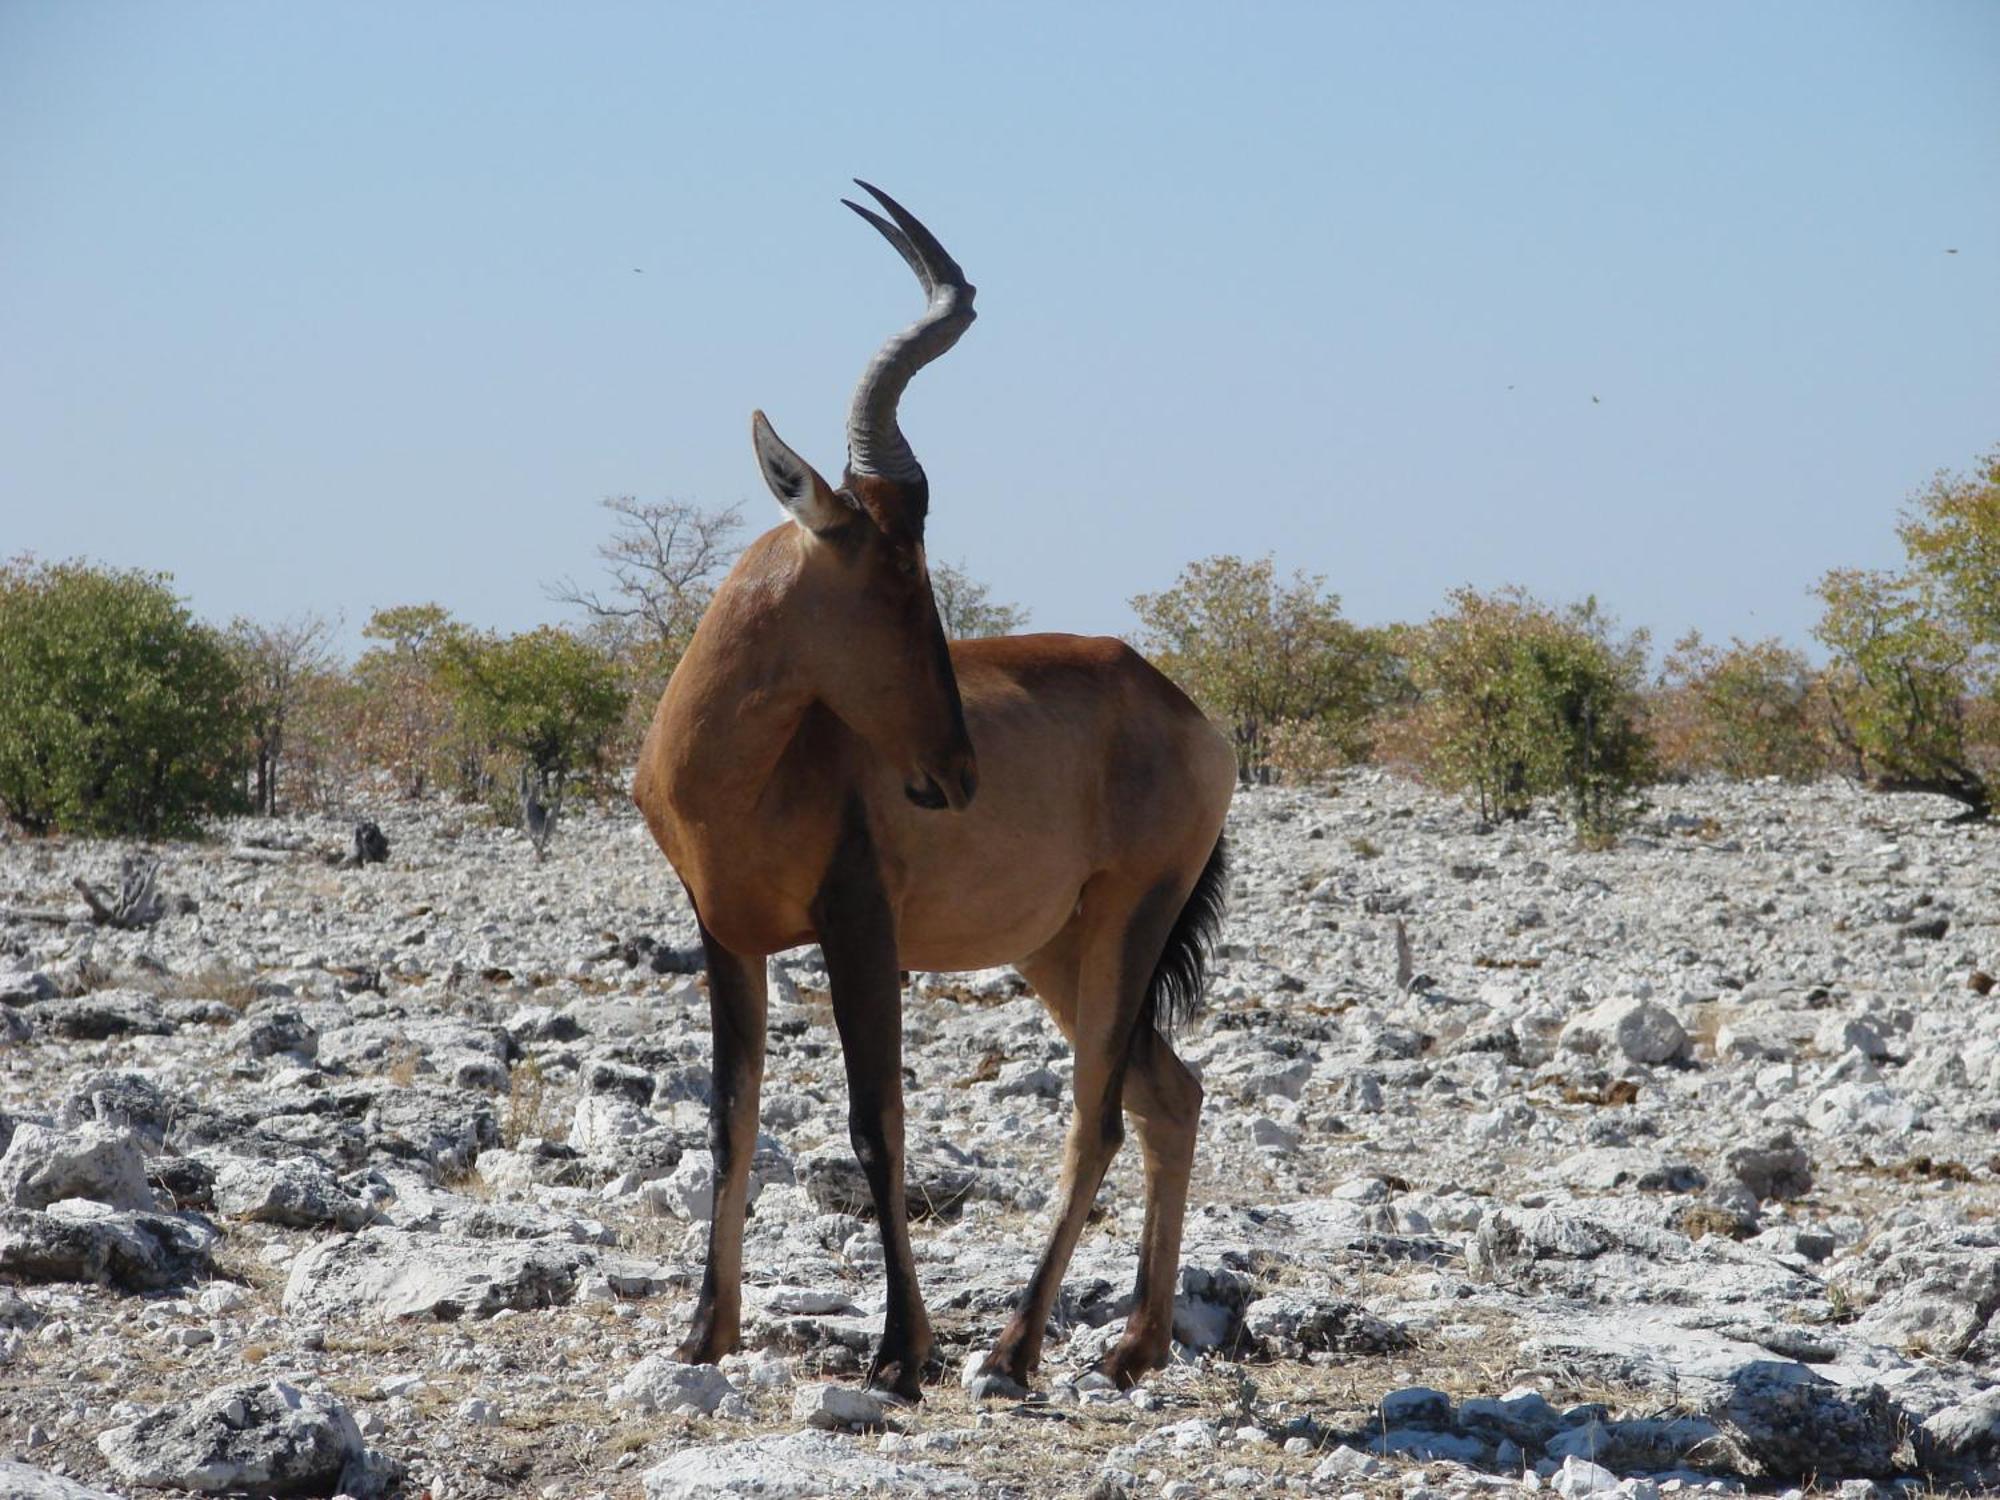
[{"x": 122, "y": 713}]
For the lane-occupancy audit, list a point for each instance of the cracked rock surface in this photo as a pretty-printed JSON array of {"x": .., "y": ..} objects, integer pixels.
[{"x": 1671, "y": 1167}]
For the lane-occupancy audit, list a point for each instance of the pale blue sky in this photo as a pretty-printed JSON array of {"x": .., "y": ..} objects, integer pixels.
[{"x": 334, "y": 307}]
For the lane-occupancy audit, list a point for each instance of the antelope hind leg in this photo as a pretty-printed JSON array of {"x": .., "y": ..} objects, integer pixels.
[
  {"x": 1102, "y": 1008},
  {"x": 1164, "y": 1100},
  {"x": 736, "y": 1008}
]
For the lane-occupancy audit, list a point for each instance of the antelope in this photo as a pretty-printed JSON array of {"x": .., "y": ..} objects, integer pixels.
[{"x": 825, "y": 767}]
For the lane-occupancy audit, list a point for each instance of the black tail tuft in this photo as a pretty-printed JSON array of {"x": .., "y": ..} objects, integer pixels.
[{"x": 1174, "y": 995}]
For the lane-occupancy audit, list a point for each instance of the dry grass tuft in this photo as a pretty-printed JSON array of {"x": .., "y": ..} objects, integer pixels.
[{"x": 528, "y": 1104}]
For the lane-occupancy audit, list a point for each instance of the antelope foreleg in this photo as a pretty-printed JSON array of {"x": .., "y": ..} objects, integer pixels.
[
  {"x": 736, "y": 1008},
  {"x": 858, "y": 940}
]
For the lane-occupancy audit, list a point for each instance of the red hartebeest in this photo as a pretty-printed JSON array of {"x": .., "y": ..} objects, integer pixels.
[{"x": 811, "y": 775}]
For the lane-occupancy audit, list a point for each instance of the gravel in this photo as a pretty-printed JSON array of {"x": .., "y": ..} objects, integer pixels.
[{"x": 1664, "y": 1164}]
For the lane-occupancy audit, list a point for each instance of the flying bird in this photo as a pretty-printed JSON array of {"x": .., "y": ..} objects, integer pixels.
[{"x": 1595, "y": 402}]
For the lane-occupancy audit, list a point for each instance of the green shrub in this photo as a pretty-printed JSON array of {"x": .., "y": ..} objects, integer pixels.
[
  {"x": 119, "y": 712},
  {"x": 1519, "y": 701},
  {"x": 545, "y": 703},
  {"x": 1900, "y": 687},
  {"x": 1257, "y": 652},
  {"x": 1745, "y": 712},
  {"x": 1914, "y": 690}
]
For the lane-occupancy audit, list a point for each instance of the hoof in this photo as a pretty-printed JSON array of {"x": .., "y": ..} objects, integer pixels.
[
  {"x": 897, "y": 1382},
  {"x": 1127, "y": 1363},
  {"x": 702, "y": 1349}
]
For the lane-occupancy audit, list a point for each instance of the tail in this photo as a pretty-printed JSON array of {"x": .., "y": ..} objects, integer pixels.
[{"x": 1173, "y": 996}]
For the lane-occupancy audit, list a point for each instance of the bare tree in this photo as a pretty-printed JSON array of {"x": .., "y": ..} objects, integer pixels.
[
  {"x": 964, "y": 608},
  {"x": 664, "y": 558},
  {"x": 278, "y": 662}
]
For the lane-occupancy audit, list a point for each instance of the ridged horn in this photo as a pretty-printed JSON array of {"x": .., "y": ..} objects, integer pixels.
[{"x": 875, "y": 444}]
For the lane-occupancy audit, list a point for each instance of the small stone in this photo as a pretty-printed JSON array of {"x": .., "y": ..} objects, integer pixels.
[
  {"x": 1580, "y": 1477},
  {"x": 660, "y": 1383},
  {"x": 1416, "y": 1406},
  {"x": 1267, "y": 1134},
  {"x": 836, "y": 1407},
  {"x": 1839, "y": 1034},
  {"x": 1637, "y": 1030}
]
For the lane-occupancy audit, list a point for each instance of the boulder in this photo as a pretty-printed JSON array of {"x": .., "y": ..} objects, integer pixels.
[
  {"x": 298, "y": 1192},
  {"x": 20, "y": 1481},
  {"x": 798, "y": 1466},
  {"x": 255, "y": 1438},
  {"x": 97, "y": 1162},
  {"x": 661, "y": 1384},
  {"x": 1633, "y": 1030},
  {"x": 129, "y": 1101},
  {"x": 76, "y": 1240},
  {"x": 1776, "y": 1167},
  {"x": 387, "y": 1273},
  {"x": 96, "y": 1017}
]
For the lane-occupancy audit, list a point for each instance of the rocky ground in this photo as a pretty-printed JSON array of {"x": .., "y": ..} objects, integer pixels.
[{"x": 1658, "y": 1168}]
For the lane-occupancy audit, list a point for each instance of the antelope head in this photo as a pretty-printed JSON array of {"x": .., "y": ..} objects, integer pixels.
[{"x": 868, "y": 633}]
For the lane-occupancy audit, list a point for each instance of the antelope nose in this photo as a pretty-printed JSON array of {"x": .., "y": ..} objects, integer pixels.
[{"x": 926, "y": 793}]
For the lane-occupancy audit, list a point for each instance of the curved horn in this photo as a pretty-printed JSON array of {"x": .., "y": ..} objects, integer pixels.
[{"x": 875, "y": 444}]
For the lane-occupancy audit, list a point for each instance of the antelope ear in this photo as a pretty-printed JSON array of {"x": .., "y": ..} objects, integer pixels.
[{"x": 795, "y": 482}]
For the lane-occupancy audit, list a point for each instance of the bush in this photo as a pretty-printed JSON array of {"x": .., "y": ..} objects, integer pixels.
[
  {"x": 1951, "y": 532},
  {"x": 1900, "y": 688},
  {"x": 1303, "y": 751},
  {"x": 1742, "y": 712},
  {"x": 545, "y": 701},
  {"x": 1519, "y": 701},
  {"x": 119, "y": 712},
  {"x": 1915, "y": 685},
  {"x": 1256, "y": 652},
  {"x": 405, "y": 722}
]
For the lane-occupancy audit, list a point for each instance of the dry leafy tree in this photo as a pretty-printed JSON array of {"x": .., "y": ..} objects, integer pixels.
[
  {"x": 325, "y": 748},
  {"x": 280, "y": 665},
  {"x": 1914, "y": 689},
  {"x": 966, "y": 609},
  {"x": 1258, "y": 652},
  {"x": 1743, "y": 711},
  {"x": 1519, "y": 700},
  {"x": 407, "y": 720}
]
